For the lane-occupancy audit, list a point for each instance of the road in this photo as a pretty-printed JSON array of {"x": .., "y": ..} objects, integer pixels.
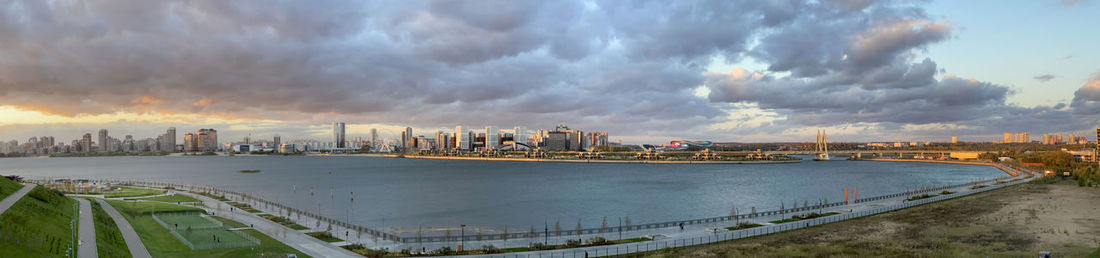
[
  {"x": 133, "y": 242},
  {"x": 86, "y": 234},
  {"x": 11, "y": 199}
]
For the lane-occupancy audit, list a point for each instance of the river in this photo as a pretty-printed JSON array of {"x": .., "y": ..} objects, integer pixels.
[{"x": 406, "y": 193}]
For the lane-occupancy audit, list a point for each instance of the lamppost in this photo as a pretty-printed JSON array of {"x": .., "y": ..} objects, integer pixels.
[
  {"x": 462, "y": 241},
  {"x": 545, "y": 233}
]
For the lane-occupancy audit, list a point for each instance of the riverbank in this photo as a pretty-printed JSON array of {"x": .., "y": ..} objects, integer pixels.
[
  {"x": 1002, "y": 168},
  {"x": 1014, "y": 221},
  {"x": 600, "y": 161}
]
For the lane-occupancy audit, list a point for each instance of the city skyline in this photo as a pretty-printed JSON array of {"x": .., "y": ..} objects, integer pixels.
[{"x": 877, "y": 71}]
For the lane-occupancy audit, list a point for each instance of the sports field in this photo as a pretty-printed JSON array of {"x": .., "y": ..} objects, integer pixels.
[{"x": 201, "y": 232}]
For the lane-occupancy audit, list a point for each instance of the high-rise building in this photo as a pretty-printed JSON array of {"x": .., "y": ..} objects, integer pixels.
[
  {"x": 86, "y": 142},
  {"x": 338, "y": 136},
  {"x": 407, "y": 139},
  {"x": 492, "y": 137},
  {"x": 1022, "y": 138},
  {"x": 208, "y": 140},
  {"x": 102, "y": 140},
  {"x": 462, "y": 139},
  {"x": 278, "y": 141},
  {"x": 190, "y": 142},
  {"x": 520, "y": 135},
  {"x": 374, "y": 144},
  {"x": 954, "y": 139},
  {"x": 170, "y": 139}
]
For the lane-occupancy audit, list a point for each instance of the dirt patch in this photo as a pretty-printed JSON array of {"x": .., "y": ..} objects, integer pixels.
[{"x": 1016, "y": 221}]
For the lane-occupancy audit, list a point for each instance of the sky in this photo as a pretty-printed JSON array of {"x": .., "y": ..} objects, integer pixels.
[{"x": 643, "y": 71}]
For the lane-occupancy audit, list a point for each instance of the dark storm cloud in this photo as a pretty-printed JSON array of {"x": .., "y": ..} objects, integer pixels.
[{"x": 630, "y": 67}]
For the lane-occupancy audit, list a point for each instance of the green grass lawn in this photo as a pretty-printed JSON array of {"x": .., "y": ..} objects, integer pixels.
[
  {"x": 38, "y": 225},
  {"x": 131, "y": 192},
  {"x": 171, "y": 198},
  {"x": 8, "y": 187},
  {"x": 283, "y": 221},
  {"x": 161, "y": 243},
  {"x": 324, "y": 236},
  {"x": 244, "y": 206},
  {"x": 108, "y": 239}
]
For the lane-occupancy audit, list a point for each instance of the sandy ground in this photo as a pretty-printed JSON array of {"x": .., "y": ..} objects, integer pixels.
[{"x": 1017, "y": 221}]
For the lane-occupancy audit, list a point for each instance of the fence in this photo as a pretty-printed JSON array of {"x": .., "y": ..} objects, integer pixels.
[
  {"x": 656, "y": 245},
  {"x": 428, "y": 239},
  {"x": 215, "y": 226}
]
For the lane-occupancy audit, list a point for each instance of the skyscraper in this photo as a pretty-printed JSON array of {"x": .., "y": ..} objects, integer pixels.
[
  {"x": 954, "y": 139},
  {"x": 492, "y": 137},
  {"x": 169, "y": 143},
  {"x": 128, "y": 143},
  {"x": 278, "y": 141},
  {"x": 1007, "y": 138},
  {"x": 407, "y": 140},
  {"x": 208, "y": 140},
  {"x": 519, "y": 135},
  {"x": 462, "y": 139},
  {"x": 102, "y": 140},
  {"x": 190, "y": 142},
  {"x": 86, "y": 142},
  {"x": 338, "y": 134},
  {"x": 374, "y": 138}
]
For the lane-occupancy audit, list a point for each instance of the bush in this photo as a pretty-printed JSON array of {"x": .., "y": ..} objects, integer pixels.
[
  {"x": 446, "y": 250},
  {"x": 490, "y": 249},
  {"x": 597, "y": 241},
  {"x": 573, "y": 243},
  {"x": 541, "y": 246}
]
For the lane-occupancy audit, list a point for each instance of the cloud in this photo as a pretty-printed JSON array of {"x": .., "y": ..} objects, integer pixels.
[
  {"x": 1044, "y": 77},
  {"x": 628, "y": 67},
  {"x": 1086, "y": 100}
]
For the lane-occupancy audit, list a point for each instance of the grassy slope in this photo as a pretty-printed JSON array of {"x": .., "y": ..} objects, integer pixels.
[
  {"x": 8, "y": 187},
  {"x": 171, "y": 198},
  {"x": 132, "y": 192},
  {"x": 37, "y": 225},
  {"x": 109, "y": 241},
  {"x": 160, "y": 242}
]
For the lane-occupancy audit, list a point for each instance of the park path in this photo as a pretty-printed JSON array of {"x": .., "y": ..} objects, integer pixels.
[
  {"x": 11, "y": 199},
  {"x": 133, "y": 242},
  {"x": 293, "y": 238},
  {"x": 86, "y": 233}
]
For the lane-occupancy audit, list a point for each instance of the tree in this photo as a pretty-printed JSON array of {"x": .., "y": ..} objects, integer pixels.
[
  {"x": 603, "y": 226},
  {"x": 579, "y": 228},
  {"x": 557, "y": 228}
]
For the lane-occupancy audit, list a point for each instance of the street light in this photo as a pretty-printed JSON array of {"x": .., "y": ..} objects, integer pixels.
[{"x": 462, "y": 242}]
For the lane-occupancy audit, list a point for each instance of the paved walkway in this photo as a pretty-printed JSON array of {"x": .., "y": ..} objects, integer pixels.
[
  {"x": 11, "y": 199},
  {"x": 293, "y": 238},
  {"x": 87, "y": 246},
  {"x": 133, "y": 242}
]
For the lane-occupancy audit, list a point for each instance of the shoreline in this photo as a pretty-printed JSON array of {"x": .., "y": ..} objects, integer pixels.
[
  {"x": 596, "y": 160},
  {"x": 995, "y": 165}
]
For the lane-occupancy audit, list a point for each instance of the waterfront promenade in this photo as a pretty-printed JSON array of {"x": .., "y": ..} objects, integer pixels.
[
  {"x": 666, "y": 232},
  {"x": 598, "y": 161}
]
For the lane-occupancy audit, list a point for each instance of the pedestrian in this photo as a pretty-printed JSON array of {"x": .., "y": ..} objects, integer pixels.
[
  {"x": 681, "y": 226},
  {"x": 585, "y": 254}
]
